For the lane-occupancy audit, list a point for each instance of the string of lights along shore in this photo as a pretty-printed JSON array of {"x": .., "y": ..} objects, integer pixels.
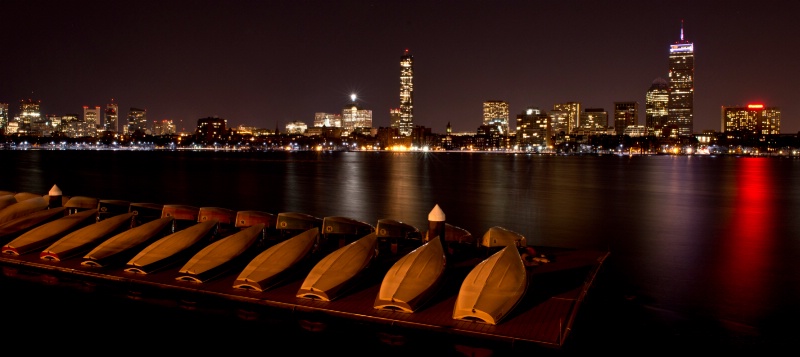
[{"x": 568, "y": 127}]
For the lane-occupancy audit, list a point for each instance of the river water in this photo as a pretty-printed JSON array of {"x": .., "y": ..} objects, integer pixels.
[{"x": 704, "y": 249}]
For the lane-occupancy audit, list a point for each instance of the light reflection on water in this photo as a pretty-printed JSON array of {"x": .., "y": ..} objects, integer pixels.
[{"x": 708, "y": 237}]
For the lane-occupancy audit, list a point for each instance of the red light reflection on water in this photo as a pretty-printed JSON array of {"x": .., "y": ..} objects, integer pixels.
[{"x": 745, "y": 253}]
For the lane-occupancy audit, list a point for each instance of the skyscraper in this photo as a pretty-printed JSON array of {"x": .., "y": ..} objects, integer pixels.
[
  {"x": 681, "y": 86},
  {"x": 406, "y": 123},
  {"x": 29, "y": 113},
  {"x": 495, "y": 112},
  {"x": 656, "y": 101},
  {"x": 111, "y": 120},
  {"x": 572, "y": 111},
  {"x": 91, "y": 116}
]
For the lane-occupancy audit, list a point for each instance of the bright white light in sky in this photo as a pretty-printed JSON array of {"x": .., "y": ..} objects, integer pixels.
[{"x": 353, "y": 97}]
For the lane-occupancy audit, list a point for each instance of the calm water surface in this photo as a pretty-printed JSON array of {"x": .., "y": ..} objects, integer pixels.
[{"x": 704, "y": 250}]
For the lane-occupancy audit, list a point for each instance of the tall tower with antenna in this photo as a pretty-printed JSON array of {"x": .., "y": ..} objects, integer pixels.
[{"x": 680, "y": 106}]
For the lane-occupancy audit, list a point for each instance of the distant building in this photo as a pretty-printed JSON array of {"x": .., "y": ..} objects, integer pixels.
[
  {"x": 91, "y": 116},
  {"x": 395, "y": 116},
  {"x": 405, "y": 124},
  {"x": 625, "y": 114},
  {"x": 137, "y": 121},
  {"x": 3, "y": 118},
  {"x": 296, "y": 127},
  {"x": 70, "y": 130},
  {"x": 29, "y": 112},
  {"x": 111, "y": 118},
  {"x": 164, "y": 127},
  {"x": 55, "y": 122},
  {"x": 681, "y": 86},
  {"x": 753, "y": 118},
  {"x": 635, "y": 130},
  {"x": 656, "y": 104},
  {"x": 355, "y": 118},
  {"x": 210, "y": 130},
  {"x": 533, "y": 129},
  {"x": 496, "y": 112},
  {"x": 571, "y": 111},
  {"x": 593, "y": 119},
  {"x": 328, "y": 120}
]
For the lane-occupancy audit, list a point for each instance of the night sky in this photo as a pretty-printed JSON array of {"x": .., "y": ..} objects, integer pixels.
[{"x": 266, "y": 63}]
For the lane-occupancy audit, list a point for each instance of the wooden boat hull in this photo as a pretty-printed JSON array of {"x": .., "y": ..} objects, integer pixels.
[
  {"x": 500, "y": 237},
  {"x": 493, "y": 288},
  {"x": 272, "y": 265},
  {"x": 413, "y": 278},
  {"x": 122, "y": 246},
  {"x": 81, "y": 203},
  {"x": 22, "y": 208},
  {"x": 332, "y": 275},
  {"x": 211, "y": 260},
  {"x": 169, "y": 249},
  {"x": 50, "y": 232},
  {"x": 16, "y": 227},
  {"x": 82, "y": 239},
  {"x": 7, "y": 200}
]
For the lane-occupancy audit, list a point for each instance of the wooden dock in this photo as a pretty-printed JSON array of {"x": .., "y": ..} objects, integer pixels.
[{"x": 544, "y": 318}]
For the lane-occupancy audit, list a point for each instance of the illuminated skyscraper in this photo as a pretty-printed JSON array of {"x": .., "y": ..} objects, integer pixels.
[
  {"x": 495, "y": 112},
  {"x": 754, "y": 118},
  {"x": 655, "y": 112},
  {"x": 91, "y": 116},
  {"x": 29, "y": 113},
  {"x": 111, "y": 120},
  {"x": 571, "y": 112},
  {"x": 681, "y": 86},
  {"x": 406, "y": 122},
  {"x": 533, "y": 129}
]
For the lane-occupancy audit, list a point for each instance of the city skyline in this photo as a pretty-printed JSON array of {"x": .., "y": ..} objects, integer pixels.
[{"x": 266, "y": 65}]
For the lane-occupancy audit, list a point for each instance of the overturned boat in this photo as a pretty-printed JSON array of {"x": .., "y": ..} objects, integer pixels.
[
  {"x": 169, "y": 249},
  {"x": 48, "y": 233},
  {"x": 123, "y": 246},
  {"x": 412, "y": 280},
  {"x": 339, "y": 270},
  {"x": 493, "y": 288},
  {"x": 214, "y": 258},
  {"x": 83, "y": 239},
  {"x": 271, "y": 266},
  {"x": 20, "y": 225}
]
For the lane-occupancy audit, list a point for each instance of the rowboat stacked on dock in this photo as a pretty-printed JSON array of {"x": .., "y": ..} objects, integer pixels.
[{"x": 390, "y": 275}]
